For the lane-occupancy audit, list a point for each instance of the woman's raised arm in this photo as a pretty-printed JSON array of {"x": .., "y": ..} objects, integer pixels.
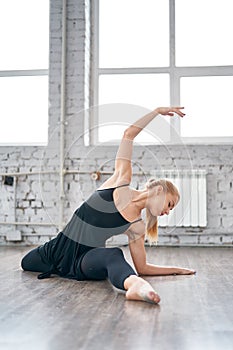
[
  {"x": 124, "y": 155},
  {"x": 123, "y": 167},
  {"x": 141, "y": 123}
]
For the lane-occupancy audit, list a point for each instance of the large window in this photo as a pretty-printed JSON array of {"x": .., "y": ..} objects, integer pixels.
[
  {"x": 24, "y": 41},
  {"x": 165, "y": 52}
]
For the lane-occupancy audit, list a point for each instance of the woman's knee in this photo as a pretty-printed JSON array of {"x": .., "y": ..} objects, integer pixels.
[
  {"x": 32, "y": 262},
  {"x": 114, "y": 253},
  {"x": 24, "y": 262}
]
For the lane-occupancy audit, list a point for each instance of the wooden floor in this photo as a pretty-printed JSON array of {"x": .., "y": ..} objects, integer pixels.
[{"x": 195, "y": 313}]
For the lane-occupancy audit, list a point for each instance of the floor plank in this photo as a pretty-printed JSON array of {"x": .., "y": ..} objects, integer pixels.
[{"x": 195, "y": 313}]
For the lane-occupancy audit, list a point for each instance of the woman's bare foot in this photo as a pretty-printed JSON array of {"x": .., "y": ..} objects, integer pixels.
[{"x": 138, "y": 289}]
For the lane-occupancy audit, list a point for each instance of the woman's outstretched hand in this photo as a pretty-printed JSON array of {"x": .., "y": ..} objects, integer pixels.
[
  {"x": 170, "y": 111},
  {"x": 183, "y": 271}
]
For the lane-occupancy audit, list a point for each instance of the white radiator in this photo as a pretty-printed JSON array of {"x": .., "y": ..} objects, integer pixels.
[{"x": 191, "y": 209}]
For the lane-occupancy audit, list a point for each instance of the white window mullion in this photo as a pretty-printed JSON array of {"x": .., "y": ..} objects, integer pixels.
[
  {"x": 94, "y": 87},
  {"x": 20, "y": 73},
  {"x": 135, "y": 70},
  {"x": 204, "y": 71},
  {"x": 174, "y": 79}
]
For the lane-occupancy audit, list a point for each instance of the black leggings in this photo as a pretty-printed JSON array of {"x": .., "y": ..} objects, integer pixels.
[{"x": 97, "y": 264}]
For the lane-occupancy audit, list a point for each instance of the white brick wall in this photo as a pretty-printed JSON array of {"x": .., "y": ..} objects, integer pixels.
[{"x": 37, "y": 196}]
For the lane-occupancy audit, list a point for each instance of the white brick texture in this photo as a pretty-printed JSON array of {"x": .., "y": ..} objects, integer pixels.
[{"x": 37, "y": 196}]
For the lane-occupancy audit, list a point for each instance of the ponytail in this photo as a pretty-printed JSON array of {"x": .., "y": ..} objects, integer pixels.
[
  {"x": 151, "y": 220},
  {"x": 151, "y": 227}
]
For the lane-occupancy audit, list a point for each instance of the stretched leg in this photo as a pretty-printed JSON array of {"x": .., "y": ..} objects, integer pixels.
[
  {"x": 102, "y": 263},
  {"x": 32, "y": 262}
]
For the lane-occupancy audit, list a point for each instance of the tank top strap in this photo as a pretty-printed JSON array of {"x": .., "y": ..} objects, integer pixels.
[
  {"x": 136, "y": 221},
  {"x": 121, "y": 186}
]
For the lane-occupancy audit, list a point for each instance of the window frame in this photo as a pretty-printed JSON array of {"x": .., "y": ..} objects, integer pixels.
[
  {"x": 22, "y": 73},
  {"x": 175, "y": 73}
]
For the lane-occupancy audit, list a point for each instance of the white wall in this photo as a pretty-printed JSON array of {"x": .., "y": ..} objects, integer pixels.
[{"x": 37, "y": 196}]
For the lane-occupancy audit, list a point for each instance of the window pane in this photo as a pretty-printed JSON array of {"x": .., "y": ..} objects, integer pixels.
[
  {"x": 207, "y": 101},
  {"x": 146, "y": 91},
  {"x": 24, "y": 34},
  {"x": 133, "y": 33},
  {"x": 24, "y": 109},
  {"x": 204, "y": 32}
]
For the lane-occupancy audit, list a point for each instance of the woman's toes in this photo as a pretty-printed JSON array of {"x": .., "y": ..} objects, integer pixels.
[
  {"x": 149, "y": 295},
  {"x": 154, "y": 297},
  {"x": 143, "y": 291}
]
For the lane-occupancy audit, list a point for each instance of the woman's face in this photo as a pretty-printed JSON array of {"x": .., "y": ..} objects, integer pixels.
[
  {"x": 160, "y": 203},
  {"x": 169, "y": 203}
]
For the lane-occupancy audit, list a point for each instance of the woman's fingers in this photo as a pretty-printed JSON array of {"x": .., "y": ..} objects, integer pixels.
[
  {"x": 170, "y": 111},
  {"x": 178, "y": 111},
  {"x": 183, "y": 271},
  {"x": 190, "y": 272}
]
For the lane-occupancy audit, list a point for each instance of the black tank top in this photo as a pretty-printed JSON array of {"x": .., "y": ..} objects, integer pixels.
[{"x": 96, "y": 220}]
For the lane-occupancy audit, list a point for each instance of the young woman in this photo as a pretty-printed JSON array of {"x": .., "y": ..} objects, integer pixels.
[{"x": 79, "y": 252}]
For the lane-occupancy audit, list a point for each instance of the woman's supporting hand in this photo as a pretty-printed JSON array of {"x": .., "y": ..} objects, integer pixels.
[
  {"x": 183, "y": 271},
  {"x": 170, "y": 111}
]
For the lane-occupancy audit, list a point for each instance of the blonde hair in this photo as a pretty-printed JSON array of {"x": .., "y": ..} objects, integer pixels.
[{"x": 151, "y": 220}]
